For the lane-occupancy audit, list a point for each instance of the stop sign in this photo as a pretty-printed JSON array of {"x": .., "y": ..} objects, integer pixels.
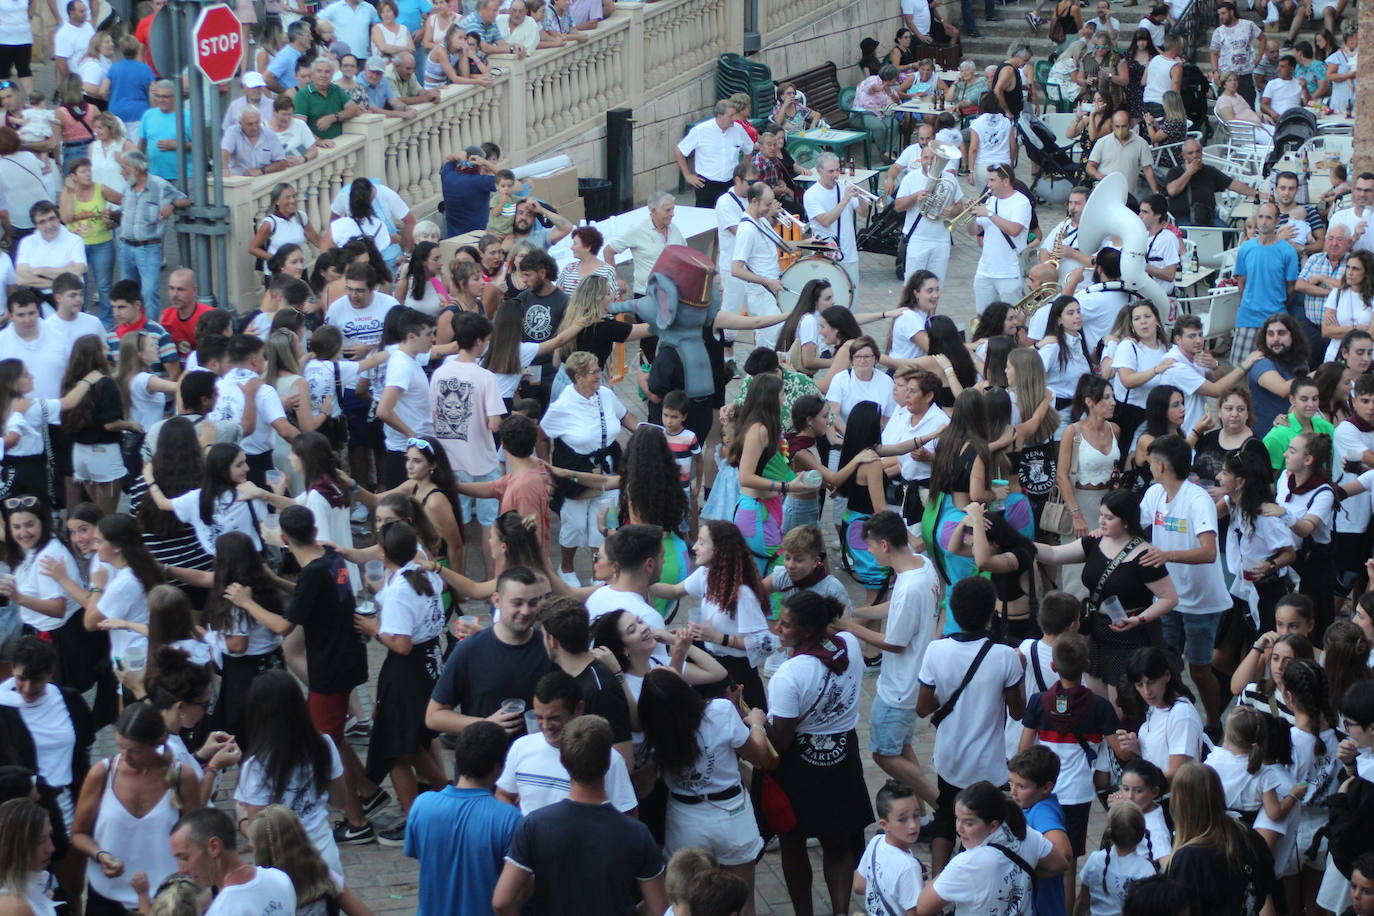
[{"x": 217, "y": 40}]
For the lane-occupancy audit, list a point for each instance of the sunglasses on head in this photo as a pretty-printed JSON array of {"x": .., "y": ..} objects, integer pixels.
[
  {"x": 421, "y": 444},
  {"x": 21, "y": 502}
]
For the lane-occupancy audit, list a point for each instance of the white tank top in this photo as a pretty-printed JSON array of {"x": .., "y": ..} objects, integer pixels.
[
  {"x": 140, "y": 842},
  {"x": 1095, "y": 468},
  {"x": 1159, "y": 78}
]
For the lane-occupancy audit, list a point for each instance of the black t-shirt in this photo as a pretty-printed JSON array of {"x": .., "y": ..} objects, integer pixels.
[
  {"x": 605, "y": 697},
  {"x": 1209, "y": 455},
  {"x": 482, "y": 671},
  {"x": 108, "y": 408},
  {"x": 543, "y": 315},
  {"x": 1129, "y": 582},
  {"x": 599, "y": 339},
  {"x": 1215, "y": 887},
  {"x": 1008, "y": 585},
  {"x": 1197, "y": 205},
  {"x": 335, "y": 654},
  {"x": 573, "y": 876}
]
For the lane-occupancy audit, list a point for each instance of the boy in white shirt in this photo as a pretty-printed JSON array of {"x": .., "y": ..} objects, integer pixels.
[
  {"x": 404, "y": 406},
  {"x": 889, "y": 876},
  {"x": 970, "y": 684}
]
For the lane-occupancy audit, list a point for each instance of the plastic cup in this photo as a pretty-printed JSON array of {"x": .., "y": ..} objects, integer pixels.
[
  {"x": 275, "y": 477},
  {"x": 364, "y": 606},
  {"x": 469, "y": 624},
  {"x": 135, "y": 657},
  {"x": 513, "y": 706},
  {"x": 1111, "y": 606},
  {"x": 531, "y": 723},
  {"x": 372, "y": 572}
]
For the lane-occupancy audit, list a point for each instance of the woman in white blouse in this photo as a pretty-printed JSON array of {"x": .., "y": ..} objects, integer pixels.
[
  {"x": 1063, "y": 351},
  {"x": 389, "y": 36},
  {"x": 94, "y": 64},
  {"x": 583, "y": 423},
  {"x": 1350, "y": 308}
]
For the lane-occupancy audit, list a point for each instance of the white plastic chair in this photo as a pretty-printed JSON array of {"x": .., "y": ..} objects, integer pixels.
[
  {"x": 1060, "y": 122},
  {"x": 1210, "y": 242}
]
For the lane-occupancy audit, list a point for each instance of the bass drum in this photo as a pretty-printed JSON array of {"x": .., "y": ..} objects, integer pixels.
[{"x": 795, "y": 278}]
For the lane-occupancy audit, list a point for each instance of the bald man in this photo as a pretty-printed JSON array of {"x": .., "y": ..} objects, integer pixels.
[{"x": 179, "y": 319}]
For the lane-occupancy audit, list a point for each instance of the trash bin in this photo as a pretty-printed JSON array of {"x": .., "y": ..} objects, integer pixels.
[{"x": 596, "y": 197}]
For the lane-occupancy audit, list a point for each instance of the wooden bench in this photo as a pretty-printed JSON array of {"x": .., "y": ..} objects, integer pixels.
[{"x": 821, "y": 86}]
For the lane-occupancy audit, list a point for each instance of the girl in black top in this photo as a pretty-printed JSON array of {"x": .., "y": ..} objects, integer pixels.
[
  {"x": 865, "y": 494},
  {"x": 598, "y": 332},
  {"x": 1225, "y": 865},
  {"x": 95, "y": 424},
  {"x": 1008, "y": 557},
  {"x": 1234, "y": 434}
]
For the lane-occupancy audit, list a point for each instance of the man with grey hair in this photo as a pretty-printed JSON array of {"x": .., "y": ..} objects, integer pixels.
[
  {"x": 754, "y": 260},
  {"x": 405, "y": 86},
  {"x": 247, "y": 149},
  {"x": 1321, "y": 273},
  {"x": 205, "y": 846},
  {"x": 716, "y": 145},
  {"x": 1008, "y": 84},
  {"x": 281, "y": 69},
  {"x": 158, "y": 131},
  {"x": 832, "y": 209},
  {"x": 148, "y": 203},
  {"x": 323, "y": 104},
  {"x": 646, "y": 238}
]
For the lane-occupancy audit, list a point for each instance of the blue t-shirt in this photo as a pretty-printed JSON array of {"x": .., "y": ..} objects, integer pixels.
[
  {"x": 1046, "y": 815},
  {"x": 467, "y": 198},
  {"x": 1267, "y": 269},
  {"x": 129, "y": 82},
  {"x": 1267, "y": 404},
  {"x": 156, "y": 125},
  {"x": 460, "y": 837},
  {"x": 283, "y": 66},
  {"x": 411, "y": 13}
]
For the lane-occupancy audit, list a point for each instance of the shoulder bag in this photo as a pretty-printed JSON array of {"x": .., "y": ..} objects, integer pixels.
[
  {"x": 948, "y": 707},
  {"x": 1056, "y": 517},
  {"x": 778, "y": 814},
  {"x": 1090, "y": 606}
]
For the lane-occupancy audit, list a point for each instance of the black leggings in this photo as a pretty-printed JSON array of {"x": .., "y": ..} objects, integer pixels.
[{"x": 17, "y": 57}]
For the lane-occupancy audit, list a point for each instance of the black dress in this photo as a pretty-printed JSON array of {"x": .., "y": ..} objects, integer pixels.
[{"x": 1130, "y": 584}]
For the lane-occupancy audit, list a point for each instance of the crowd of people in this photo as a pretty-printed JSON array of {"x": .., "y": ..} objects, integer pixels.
[{"x": 1107, "y": 564}]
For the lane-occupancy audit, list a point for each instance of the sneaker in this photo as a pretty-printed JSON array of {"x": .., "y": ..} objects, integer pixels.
[
  {"x": 995, "y": 17},
  {"x": 570, "y": 578},
  {"x": 1034, "y": 22},
  {"x": 873, "y": 666},
  {"x": 375, "y": 802},
  {"x": 345, "y": 834},
  {"x": 358, "y": 728},
  {"x": 393, "y": 836}
]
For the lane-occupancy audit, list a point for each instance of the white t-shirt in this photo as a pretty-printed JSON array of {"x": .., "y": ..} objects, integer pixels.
[
  {"x": 1121, "y": 871},
  {"x": 231, "y": 514},
  {"x": 717, "y": 151},
  {"x": 405, "y": 612},
  {"x": 50, "y": 728},
  {"x": 312, "y": 807},
  {"x": 464, "y": 397},
  {"x": 230, "y": 405},
  {"x": 534, "y": 772},
  {"x": 124, "y": 599},
  {"x": 296, "y": 139},
  {"x": 1137, "y": 357},
  {"x": 1354, "y": 513},
  {"x": 1100, "y": 308},
  {"x": 269, "y": 893},
  {"x": 1185, "y": 375},
  {"x": 919, "y": 11},
  {"x": 847, "y": 390},
  {"x": 384, "y": 200},
  {"x": 1177, "y": 525},
  {"x": 70, "y": 40},
  {"x": 30, "y": 580},
  {"x": 1350, "y": 310},
  {"x": 819, "y": 199},
  {"x": 1283, "y": 94},
  {"x": 914, "y": 181},
  {"x": 65, "y": 248},
  {"x": 68, "y": 331},
  {"x": 412, "y": 407},
  {"x": 319, "y": 375},
  {"x": 1062, "y": 378},
  {"x": 606, "y": 599},
  {"x": 904, "y": 329},
  {"x": 901, "y": 429},
  {"x": 145, "y": 405},
  {"x": 912, "y": 621},
  {"x": 585, "y": 425},
  {"x": 1242, "y": 787},
  {"x": 361, "y": 326},
  {"x": 1320, "y": 503},
  {"x": 721, "y": 732},
  {"x": 261, "y": 640},
  {"x": 748, "y": 617},
  {"x": 1159, "y": 78},
  {"x": 795, "y": 686},
  {"x": 1170, "y": 732},
  {"x": 983, "y": 881},
  {"x": 994, "y": 140},
  {"x": 968, "y": 743},
  {"x": 999, "y": 259},
  {"x": 45, "y": 356},
  {"x": 729, "y": 210},
  {"x": 893, "y": 876},
  {"x": 756, "y": 248},
  {"x": 809, "y": 332}
]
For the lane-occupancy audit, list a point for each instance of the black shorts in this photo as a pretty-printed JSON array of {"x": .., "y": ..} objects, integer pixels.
[
  {"x": 941, "y": 826},
  {"x": 1076, "y": 822},
  {"x": 16, "y": 57}
]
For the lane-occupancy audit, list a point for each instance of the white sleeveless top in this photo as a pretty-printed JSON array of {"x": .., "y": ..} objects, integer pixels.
[
  {"x": 1095, "y": 468},
  {"x": 140, "y": 842}
]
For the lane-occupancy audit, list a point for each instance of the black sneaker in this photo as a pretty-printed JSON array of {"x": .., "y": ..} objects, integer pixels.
[
  {"x": 345, "y": 834},
  {"x": 393, "y": 836},
  {"x": 375, "y": 802}
]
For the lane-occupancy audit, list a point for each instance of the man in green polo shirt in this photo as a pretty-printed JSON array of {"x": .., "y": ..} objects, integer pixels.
[
  {"x": 1303, "y": 418},
  {"x": 323, "y": 104}
]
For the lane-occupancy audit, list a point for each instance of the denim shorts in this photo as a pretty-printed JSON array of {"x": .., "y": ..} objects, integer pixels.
[
  {"x": 1192, "y": 636},
  {"x": 889, "y": 729},
  {"x": 487, "y": 509}
]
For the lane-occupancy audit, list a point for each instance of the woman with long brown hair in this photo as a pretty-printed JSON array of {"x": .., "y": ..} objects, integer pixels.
[
  {"x": 1225, "y": 865},
  {"x": 96, "y": 424}
]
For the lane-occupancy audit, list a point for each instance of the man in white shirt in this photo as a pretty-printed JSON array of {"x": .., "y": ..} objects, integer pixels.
[
  {"x": 70, "y": 40},
  {"x": 755, "y": 259},
  {"x": 1356, "y": 219},
  {"x": 716, "y": 145},
  {"x": 30, "y": 340},
  {"x": 1194, "y": 371},
  {"x": 1004, "y": 222},
  {"x": 730, "y": 209},
  {"x": 247, "y": 360},
  {"x": 911, "y": 156},
  {"x": 51, "y": 250},
  {"x": 833, "y": 208},
  {"x": 254, "y": 95},
  {"x": 69, "y": 321},
  {"x": 928, "y": 242},
  {"x": 404, "y": 406},
  {"x": 646, "y": 239},
  {"x": 916, "y": 16},
  {"x": 1162, "y": 257},
  {"x": 205, "y": 845},
  {"x": 1099, "y": 306},
  {"x": 1235, "y": 49},
  {"x": 358, "y": 314},
  {"x": 1181, "y": 521},
  {"x": 1283, "y": 92},
  {"x": 1062, "y": 242},
  {"x": 1105, "y": 22}
]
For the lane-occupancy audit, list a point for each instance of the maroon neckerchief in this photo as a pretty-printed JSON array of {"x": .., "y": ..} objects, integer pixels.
[
  {"x": 1315, "y": 482},
  {"x": 798, "y": 442},
  {"x": 1360, "y": 424},
  {"x": 811, "y": 579},
  {"x": 832, "y": 653},
  {"x": 332, "y": 493},
  {"x": 1075, "y": 702}
]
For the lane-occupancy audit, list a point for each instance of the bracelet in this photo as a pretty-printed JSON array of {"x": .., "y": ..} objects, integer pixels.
[
  {"x": 784, "y": 488},
  {"x": 1075, "y": 511},
  {"x": 99, "y": 853},
  {"x": 1257, "y": 648},
  {"x": 95, "y": 589}
]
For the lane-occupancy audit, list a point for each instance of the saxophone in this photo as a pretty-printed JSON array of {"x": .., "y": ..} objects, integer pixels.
[
  {"x": 1046, "y": 291},
  {"x": 1053, "y": 260}
]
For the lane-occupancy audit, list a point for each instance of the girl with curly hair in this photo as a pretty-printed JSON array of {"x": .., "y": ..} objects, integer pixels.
[{"x": 644, "y": 500}]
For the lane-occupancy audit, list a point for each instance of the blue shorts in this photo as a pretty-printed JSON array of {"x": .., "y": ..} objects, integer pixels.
[
  {"x": 487, "y": 509},
  {"x": 1192, "y": 636},
  {"x": 889, "y": 729},
  {"x": 364, "y": 429}
]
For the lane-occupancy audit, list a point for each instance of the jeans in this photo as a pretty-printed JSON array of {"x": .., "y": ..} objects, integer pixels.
[
  {"x": 966, "y": 7},
  {"x": 100, "y": 259},
  {"x": 143, "y": 263},
  {"x": 73, "y": 151}
]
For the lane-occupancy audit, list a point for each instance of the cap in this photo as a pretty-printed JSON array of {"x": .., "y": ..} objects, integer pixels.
[
  {"x": 254, "y": 80},
  {"x": 474, "y": 151},
  {"x": 377, "y": 63}
]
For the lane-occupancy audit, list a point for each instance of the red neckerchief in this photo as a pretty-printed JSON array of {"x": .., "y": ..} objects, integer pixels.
[
  {"x": 138, "y": 325},
  {"x": 1315, "y": 482},
  {"x": 810, "y": 579},
  {"x": 832, "y": 653},
  {"x": 798, "y": 442},
  {"x": 1360, "y": 424},
  {"x": 332, "y": 493},
  {"x": 1075, "y": 702}
]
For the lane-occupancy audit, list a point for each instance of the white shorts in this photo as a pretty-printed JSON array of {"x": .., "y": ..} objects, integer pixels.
[
  {"x": 98, "y": 463},
  {"x": 726, "y": 829},
  {"x": 578, "y": 521}
]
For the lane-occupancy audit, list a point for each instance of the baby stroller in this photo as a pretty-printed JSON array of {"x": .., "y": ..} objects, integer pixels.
[
  {"x": 1196, "y": 97},
  {"x": 1296, "y": 126},
  {"x": 883, "y": 235},
  {"x": 1053, "y": 163}
]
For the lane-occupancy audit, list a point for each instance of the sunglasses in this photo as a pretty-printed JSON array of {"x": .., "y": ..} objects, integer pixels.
[
  {"x": 21, "y": 502},
  {"x": 421, "y": 444}
]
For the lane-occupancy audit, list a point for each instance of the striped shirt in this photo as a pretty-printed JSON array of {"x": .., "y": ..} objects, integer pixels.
[
  {"x": 180, "y": 549},
  {"x": 1318, "y": 265}
]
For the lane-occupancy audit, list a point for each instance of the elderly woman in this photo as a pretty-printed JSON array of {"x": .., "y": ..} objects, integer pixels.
[
  {"x": 389, "y": 36},
  {"x": 586, "y": 245},
  {"x": 791, "y": 113},
  {"x": 86, "y": 209},
  {"x": 22, "y": 175},
  {"x": 583, "y": 423},
  {"x": 1231, "y": 106},
  {"x": 964, "y": 92},
  {"x": 93, "y": 65},
  {"x": 743, "y": 105},
  {"x": 871, "y": 100},
  {"x": 1065, "y": 80}
]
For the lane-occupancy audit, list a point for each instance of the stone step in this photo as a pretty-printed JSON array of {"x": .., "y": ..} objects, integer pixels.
[{"x": 998, "y": 36}]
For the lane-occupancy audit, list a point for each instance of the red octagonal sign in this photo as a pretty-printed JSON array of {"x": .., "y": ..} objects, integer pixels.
[{"x": 217, "y": 38}]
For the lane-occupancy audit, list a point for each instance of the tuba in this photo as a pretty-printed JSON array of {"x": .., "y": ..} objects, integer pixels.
[
  {"x": 943, "y": 190},
  {"x": 1106, "y": 214}
]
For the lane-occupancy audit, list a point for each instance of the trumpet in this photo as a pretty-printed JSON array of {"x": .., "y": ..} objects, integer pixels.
[
  {"x": 864, "y": 194},
  {"x": 956, "y": 222}
]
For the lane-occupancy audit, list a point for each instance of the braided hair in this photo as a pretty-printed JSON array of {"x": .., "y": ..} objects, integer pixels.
[{"x": 1305, "y": 683}]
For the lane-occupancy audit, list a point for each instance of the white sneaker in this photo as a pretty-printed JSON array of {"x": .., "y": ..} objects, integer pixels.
[{"x": 570, "y": 578}]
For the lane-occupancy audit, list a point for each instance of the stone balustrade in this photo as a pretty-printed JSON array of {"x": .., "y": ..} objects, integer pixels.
[{"x": 777, "y": 17}]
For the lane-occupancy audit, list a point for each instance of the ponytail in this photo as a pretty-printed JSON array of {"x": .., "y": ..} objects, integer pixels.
[
  {"x": 989, "y": 804},
  {"x": 399, "y": 545}
]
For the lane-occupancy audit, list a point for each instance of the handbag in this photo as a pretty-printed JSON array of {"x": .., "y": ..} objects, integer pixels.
[{"x": 1056, "y": 518}]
